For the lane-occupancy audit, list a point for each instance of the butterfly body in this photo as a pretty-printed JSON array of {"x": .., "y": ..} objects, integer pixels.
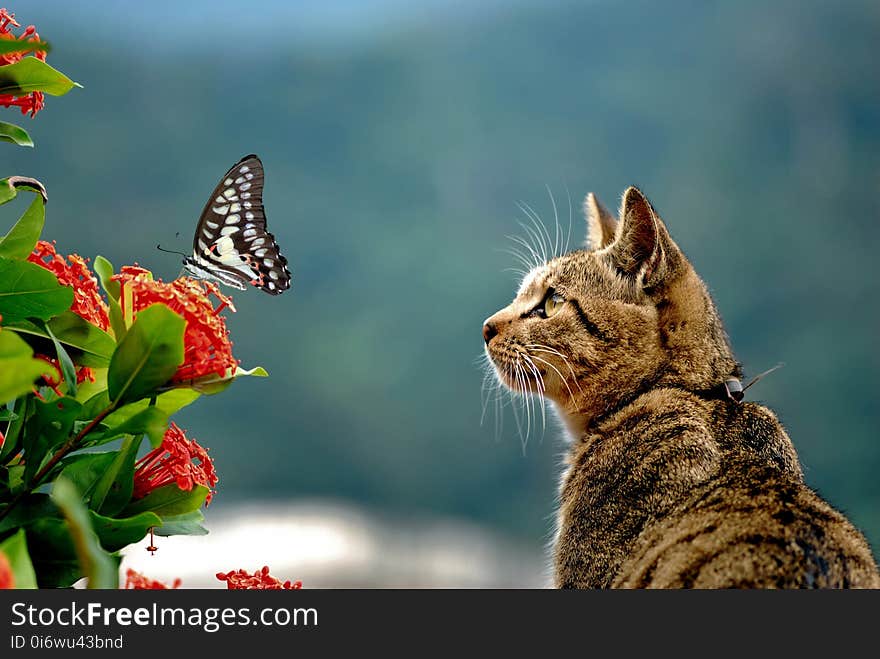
[{"x": 231, "y": 244}]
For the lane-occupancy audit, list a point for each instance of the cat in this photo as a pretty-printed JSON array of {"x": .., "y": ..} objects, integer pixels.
[{"x": 671, "y": 480}]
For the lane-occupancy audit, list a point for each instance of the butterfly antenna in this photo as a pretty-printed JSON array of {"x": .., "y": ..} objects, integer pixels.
[{"x": 170, "y": 251}]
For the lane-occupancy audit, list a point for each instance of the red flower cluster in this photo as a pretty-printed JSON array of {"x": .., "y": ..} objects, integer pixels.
[
  {"x": 87, "y": 301},
  {"x": 259, "y": 580},
  {"x": 7, "y": 579},
  {"x": 173, "y": 463},
  {"x": 34, "y": 101},
  {"x": 207, "y": 348},
  {"x": 137, "y": 581}
]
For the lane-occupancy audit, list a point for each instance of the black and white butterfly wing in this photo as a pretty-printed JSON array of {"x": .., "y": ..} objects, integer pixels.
[{"x": 231, "y": 243}]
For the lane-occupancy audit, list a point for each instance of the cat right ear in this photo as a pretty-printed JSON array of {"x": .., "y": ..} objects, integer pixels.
[
  {"x": 601, "y": 224},
  {"x": 642, "y": 247}
]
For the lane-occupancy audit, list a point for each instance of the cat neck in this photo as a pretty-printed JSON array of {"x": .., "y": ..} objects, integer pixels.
[{"x": 581, "y": 422}]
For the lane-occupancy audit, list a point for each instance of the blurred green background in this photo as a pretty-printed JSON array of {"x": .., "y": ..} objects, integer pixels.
[{"x": 398, "y": 138}]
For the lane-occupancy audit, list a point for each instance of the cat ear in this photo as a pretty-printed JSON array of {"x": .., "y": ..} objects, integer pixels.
[
  {"x": 643, "y": 247},
  {"x": 601, "y": 224}
]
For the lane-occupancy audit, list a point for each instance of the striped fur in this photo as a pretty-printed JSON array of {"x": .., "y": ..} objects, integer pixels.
[{"x": 668, "y": 483}]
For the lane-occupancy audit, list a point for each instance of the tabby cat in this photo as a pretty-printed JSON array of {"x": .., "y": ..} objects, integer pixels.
[{"x": 671, "y": 479}]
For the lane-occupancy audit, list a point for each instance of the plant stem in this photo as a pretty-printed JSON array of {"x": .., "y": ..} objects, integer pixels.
[{"x": 66, "y": 448}]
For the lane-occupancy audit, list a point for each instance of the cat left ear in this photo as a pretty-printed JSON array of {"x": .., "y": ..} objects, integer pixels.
[
  {"x": 643, "y": 247},
  {"x": 601, "y": 224}
]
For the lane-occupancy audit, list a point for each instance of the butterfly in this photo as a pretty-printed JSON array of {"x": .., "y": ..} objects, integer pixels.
[{"x": 231, "y": 244}]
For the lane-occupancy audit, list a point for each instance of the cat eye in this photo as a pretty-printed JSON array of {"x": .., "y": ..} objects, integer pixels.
[{"x": 552, "y": 304}]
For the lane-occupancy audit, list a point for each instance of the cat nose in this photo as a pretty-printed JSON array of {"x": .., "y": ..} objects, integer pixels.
[{"x": 490, "y": 329}]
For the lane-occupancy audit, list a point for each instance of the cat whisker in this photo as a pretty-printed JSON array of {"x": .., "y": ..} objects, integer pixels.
[
  {"x": 522, "y": 258},
  {"x": 539, "y": 383},
  {"x": 543, "y": 348},
  {"x": 535, "y": 255},
  {"x": 506, "y": 396},
  {"x": 564, "y": 381},
  {"x": 567, "y": 364},
  {"x": 570, "y": 212},
  {"x": 529, "y": 401},
  {"x": 540, "y": 230},
  {"x": 510, "y": 251},
  {"x": 519, "y": 272},
  {"x": 521, "y": 378},
  {"x": 516, "y": 413},
  {"x": 516, "y": 253},
  {"x": 540, "y": 248},
  {"x": 494, "y": 390},
  {"x": 541, "y": 227},
  {"x": 490, "y": 385},
  {"x": 499, "y": 417},
  {"x": 556, "y": 237},
  {"x": 530, "y": 232}
]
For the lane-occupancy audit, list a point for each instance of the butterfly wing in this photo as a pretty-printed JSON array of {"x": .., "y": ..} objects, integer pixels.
[{"x": 231, "y": 242}]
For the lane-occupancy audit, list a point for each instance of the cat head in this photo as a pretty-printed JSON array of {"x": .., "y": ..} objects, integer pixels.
[{"x": 595, "y": 327}]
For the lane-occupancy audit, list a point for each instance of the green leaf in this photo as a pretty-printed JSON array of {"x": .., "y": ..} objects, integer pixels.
[
  {"x": 151, "y": 421},
  {"x": 167, "y": 403},
  {"x": 21, "y": 46},
  {"x": 169, "y": 500},
  {"x": 7, "y": 193},
  {"x": 23, "y": 236},
  {"x": 22, "y": 409},
  {"x": 49, "y": 427},
  {"x": 88, "y": 345},
  {"x": 18, "y": 368},
  {"x": 148, "y": 355},
  {"x": 113, "y": 490},
  {"x": 29, "y": 510},
  {"x": 85, "y": 471},
  {"x": 15, "y": 134},
  {"x": 214, "y": 384},
  {"x": 94, "y": 406},
  {"x": 98, "y": 566},
  {"x": 52, "y": 550},
  {"x": 115, "y": 534},
  {"x": 186, "y": 524},
  {"x": 104, "y": 270},
  {"x": 256, "y": 371},
  {"x": 68, "y": 370},
  {"x": 29, "y": 291},
  {"x": 54, "y": 572},
  {"x": 16, "y": 552},
  {"x": 10, "y": 186},
  {"x": 13, "y": 478},
  {"x": 32, "y": 75}
]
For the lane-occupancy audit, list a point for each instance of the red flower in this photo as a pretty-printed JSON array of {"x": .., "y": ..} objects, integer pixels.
[
  {"x": 207, "y": 348},
  {"x": 259, "y": 580},
  {"x": 34, "y": 101},
  {"x": 137, "y": 581},
  {"x": 173, "y": 463},
  {"x": 87, "y": 301},
  {"x": 52, "y": 378},
  {"x": 7, "y": 579}
]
